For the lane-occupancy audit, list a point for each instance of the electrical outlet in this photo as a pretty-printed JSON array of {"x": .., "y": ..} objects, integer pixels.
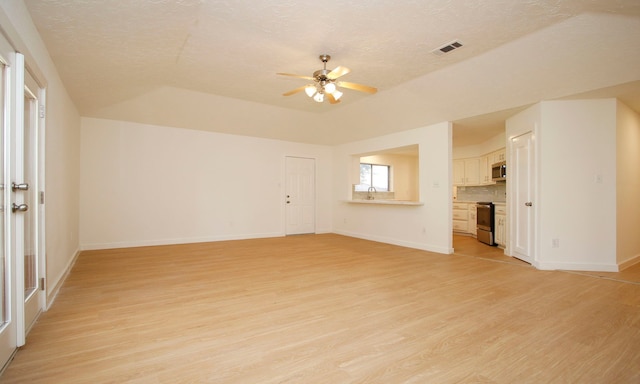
[{"x": 555, "y": 243}]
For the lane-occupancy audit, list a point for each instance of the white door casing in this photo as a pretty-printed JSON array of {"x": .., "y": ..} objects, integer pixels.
[
  {"x": 522, "y": 178},
  {"x": 299, "y": 195}
]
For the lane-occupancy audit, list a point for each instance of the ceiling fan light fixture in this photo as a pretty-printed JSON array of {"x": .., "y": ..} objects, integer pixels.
[
  {"x": 330, "y": 88},
  {"x": 336, "y": 94},
  {"x": 310, "y": 90},
  {"x": 319, "y": 97}
]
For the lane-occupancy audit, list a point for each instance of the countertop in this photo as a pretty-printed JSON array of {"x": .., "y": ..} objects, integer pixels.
[
  {"x": 473, "y": 202},
  {"x": 385, "y": 202}
]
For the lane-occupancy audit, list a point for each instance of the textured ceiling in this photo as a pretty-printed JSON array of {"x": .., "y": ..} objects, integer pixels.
[{"x": 108, "y": 53}]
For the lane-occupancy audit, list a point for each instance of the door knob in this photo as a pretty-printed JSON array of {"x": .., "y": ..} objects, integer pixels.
[
  {"x": 19, "y": 187},
  {"x": 528, "y": 204},
  {"x": 19, "y": 208}
]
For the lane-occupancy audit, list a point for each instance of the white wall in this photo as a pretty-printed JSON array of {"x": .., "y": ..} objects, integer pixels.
[
  {"x": 628, "y": 185},
  {"x": 182, "y": 108},
  {"x": 575, "y": 148},
  {"x": 62, "y": 145},
  {"x": 493, "y": 144},
  {"x": 424, "y": 227},
  {"x": 406, "y": 175},
  {"x": 148, "y": 184},
  {"x": 577, "y": 144}
]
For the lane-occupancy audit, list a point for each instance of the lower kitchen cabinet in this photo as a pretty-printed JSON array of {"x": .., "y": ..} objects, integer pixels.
[
  {"x": 464, "y": 218},
  {"x": 500, "y": 216},
  {"x": 473, "y": 211},
  {"x": 461, "y": 217}
]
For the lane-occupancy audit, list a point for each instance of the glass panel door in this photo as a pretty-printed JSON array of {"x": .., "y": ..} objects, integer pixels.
[
  {"x": 8, "y": 302},
  {"x": 29, "y": 181}
]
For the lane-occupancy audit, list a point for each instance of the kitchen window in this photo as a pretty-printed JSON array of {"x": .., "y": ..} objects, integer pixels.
[{"x": 374, "y": 175}]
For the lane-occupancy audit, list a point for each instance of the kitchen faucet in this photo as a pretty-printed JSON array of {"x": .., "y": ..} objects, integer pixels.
[{"x": 370, "y": 193}]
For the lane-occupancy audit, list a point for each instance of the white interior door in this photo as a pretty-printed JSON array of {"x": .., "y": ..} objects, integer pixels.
[
  {"x": 30, "y": 254},
  {"x": 8, "y": 300},
  {"x": 522, "y": 176},
  {"x": 300, "y": 195},
  {"x": 21, "y": 263}
]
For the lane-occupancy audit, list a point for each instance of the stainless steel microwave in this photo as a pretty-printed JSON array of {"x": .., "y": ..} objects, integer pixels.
[{"x": 499, "y": 171}]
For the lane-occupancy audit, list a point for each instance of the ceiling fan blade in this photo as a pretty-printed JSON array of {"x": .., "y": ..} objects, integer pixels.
[
  {"x": 357, "y": 87},
  {"x": 298, "y": 76},
  {"x": 332, "y": 99},
  {"x": 337, "y": 72},
  {"x": 294, "y": 91}
]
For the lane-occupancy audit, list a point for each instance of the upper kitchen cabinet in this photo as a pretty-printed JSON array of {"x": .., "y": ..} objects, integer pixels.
[
  {"x": 485, "y": 170},
  {"x": 458, "y": 172},
  {"x": 476, "y": 170},
  {"x": 498, "y": 156},
  {"x": 466, "y": 171}
]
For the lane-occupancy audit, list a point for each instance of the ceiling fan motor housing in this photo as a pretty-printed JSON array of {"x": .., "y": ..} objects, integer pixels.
[{"x": 321, "y": 74}]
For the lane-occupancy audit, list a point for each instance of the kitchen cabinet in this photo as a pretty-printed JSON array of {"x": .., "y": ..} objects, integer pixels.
[
  {"x": 458, "y": 172},
  {"x": 486, "y": 162},
  {"x": 500, "y": 217},
  {"x": 461, "y": 217},
  {"x": 466, "y": 171},
  {"x": 473, "y": 211},
  {"x": 476, "y": 170},
  {"x": 500, "y": 155},
  {"x": 472, "y": 171}
]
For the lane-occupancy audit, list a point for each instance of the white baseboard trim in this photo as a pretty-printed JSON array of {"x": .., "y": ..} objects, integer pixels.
[
  {"x": 191, "y": 240},
  {"x": 57, "y": 284},
  {"x": 402, "y": 243},
  {"x": 628, "y": 263}
]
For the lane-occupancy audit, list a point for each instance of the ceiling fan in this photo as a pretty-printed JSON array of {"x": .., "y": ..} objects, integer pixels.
[{"x": 325, "y": 83}]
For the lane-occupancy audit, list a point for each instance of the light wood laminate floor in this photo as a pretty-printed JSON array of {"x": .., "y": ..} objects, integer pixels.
[{"x": 329, "y": 309}]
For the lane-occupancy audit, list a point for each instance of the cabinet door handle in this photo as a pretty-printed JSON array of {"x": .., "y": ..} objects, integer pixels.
[{"x": 528, "y": 204}]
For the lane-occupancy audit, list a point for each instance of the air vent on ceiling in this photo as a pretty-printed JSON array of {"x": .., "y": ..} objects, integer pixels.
[{"x": 447, "y": 48}]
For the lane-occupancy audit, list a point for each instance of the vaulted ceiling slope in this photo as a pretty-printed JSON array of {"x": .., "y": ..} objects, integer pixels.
[{"x": 117, "y": 59}]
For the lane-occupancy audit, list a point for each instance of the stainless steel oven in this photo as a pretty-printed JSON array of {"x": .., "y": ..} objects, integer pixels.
[{"x": 485, "y": 222}]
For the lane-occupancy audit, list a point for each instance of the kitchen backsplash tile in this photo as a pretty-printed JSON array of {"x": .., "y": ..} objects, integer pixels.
[{"x": 497, "y": 192}]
